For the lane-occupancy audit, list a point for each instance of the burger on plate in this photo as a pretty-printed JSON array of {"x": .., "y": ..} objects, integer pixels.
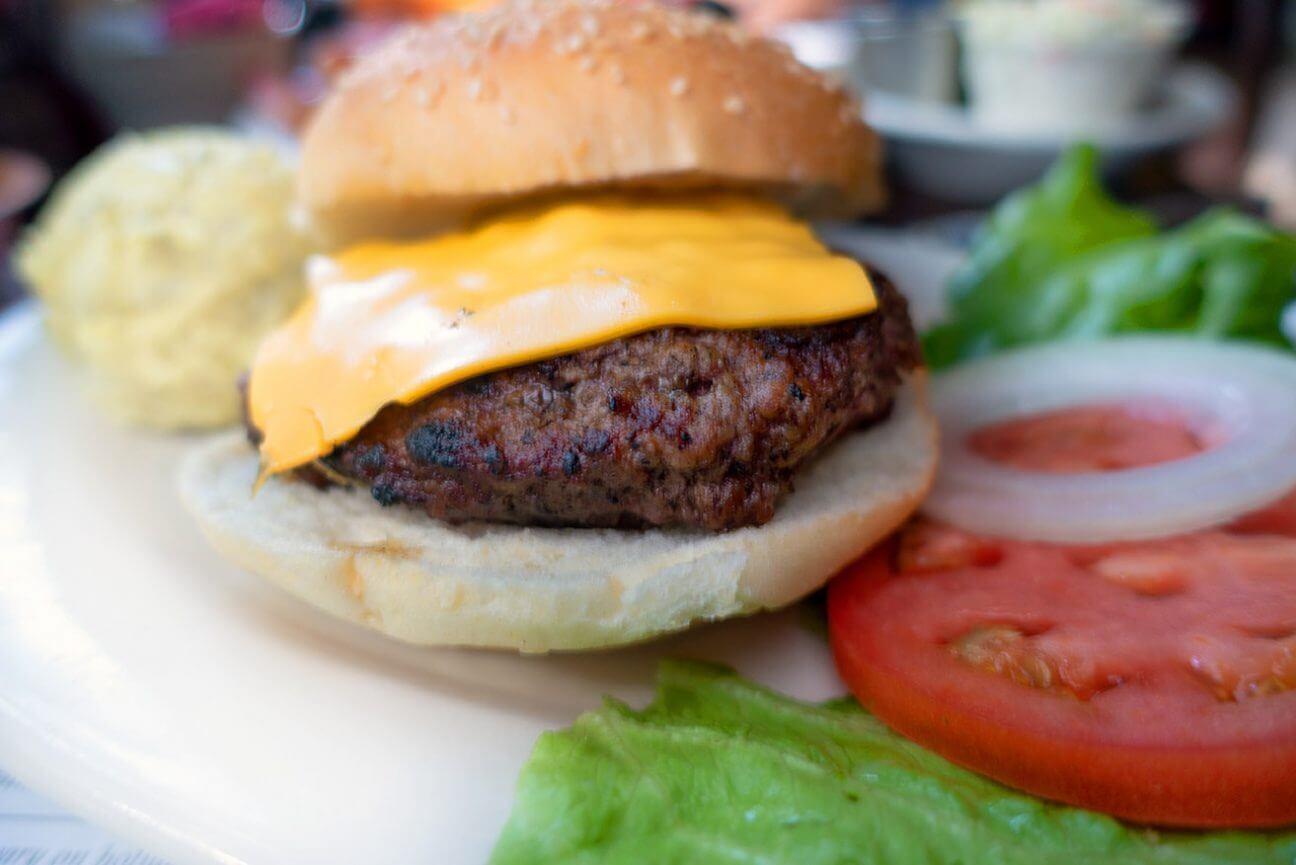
[{"x": 578, "y": 372}]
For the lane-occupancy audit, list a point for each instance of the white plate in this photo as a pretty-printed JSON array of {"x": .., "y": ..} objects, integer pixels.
[
  {"x": 940, "y": 149},
  {"x": 158, "y": 691}
]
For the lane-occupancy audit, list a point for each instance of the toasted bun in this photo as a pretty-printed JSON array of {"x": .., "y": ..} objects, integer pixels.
[
  {"x": 422, "y": 581},
  {"x": 451, "y": 118}
]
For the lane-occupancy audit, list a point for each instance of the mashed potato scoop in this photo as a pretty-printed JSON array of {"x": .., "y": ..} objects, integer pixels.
[{"x": 161, "y": 261}]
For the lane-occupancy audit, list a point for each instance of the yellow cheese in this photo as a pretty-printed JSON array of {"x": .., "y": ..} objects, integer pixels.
[{"x": 394, "y": 322}]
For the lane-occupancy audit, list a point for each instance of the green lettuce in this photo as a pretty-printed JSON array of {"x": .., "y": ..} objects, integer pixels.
[
  {"x": 720, "y": 771},
  {"x": 1062, "y": 260}
]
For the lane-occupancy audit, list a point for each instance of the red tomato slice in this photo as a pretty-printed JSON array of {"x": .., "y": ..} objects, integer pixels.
[
  {"x": 1277, "y": 519},
  {"x": 1091, "y": 438},
  {"x": 1154, "y": 681}
]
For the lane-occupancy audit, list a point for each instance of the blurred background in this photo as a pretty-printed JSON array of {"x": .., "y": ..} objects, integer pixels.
[{"x": 1190, "y": 102}]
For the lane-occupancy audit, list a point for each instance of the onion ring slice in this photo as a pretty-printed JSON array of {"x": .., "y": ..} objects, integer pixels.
[{"x": 1244, "y": 394}]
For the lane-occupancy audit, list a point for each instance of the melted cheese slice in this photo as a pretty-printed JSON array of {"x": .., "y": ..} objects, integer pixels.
[{"x": 395, "y": 322}]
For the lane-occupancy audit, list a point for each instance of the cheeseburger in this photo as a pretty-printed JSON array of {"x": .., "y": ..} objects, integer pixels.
[{"x": 577, "y": 372}]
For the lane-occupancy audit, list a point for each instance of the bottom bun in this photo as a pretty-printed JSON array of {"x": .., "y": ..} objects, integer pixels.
[{"x": 537, "y": 589}]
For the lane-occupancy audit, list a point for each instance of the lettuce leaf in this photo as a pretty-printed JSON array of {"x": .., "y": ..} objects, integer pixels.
[
  {"x": 718, "y": 770},
  {"x": 1062, "y": 260}
]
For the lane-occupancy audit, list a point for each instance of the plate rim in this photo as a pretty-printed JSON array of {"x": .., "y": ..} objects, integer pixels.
[{"x": 1197, "y": 99}]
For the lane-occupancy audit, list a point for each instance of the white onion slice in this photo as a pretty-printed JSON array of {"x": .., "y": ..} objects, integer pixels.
[{"x": 1244, "y": 393}]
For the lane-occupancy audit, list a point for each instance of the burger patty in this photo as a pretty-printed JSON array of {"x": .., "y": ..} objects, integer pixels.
[{"x": 674, "y": 427}]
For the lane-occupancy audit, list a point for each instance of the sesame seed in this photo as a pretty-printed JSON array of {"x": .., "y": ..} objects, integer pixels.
[
  {"x": 465, "y": 58},
  {"x": 639, "y": 31},
  {"x": 679, "y": 86},
  {"x": 697, "y": 25},
  {"x": 735, "y": 104},
  {"x": 587, "y": 63},
  {"x": 590, "y": 25},
  {"x": 618, "y": 75},
  {"x": 474, "y": 88},
  {"x": 524, "y": 33},
  {"x": 507, "y": 114}
]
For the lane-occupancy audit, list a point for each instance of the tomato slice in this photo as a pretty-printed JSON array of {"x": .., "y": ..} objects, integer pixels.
[
  {"x": 1154, "y": 681},
  {"x": 1277, "y": 519},
  {"x": 1091, "y": 438}
]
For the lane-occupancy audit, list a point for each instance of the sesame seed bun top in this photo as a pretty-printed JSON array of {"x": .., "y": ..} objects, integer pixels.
[{"x": 535, "y": 97}]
